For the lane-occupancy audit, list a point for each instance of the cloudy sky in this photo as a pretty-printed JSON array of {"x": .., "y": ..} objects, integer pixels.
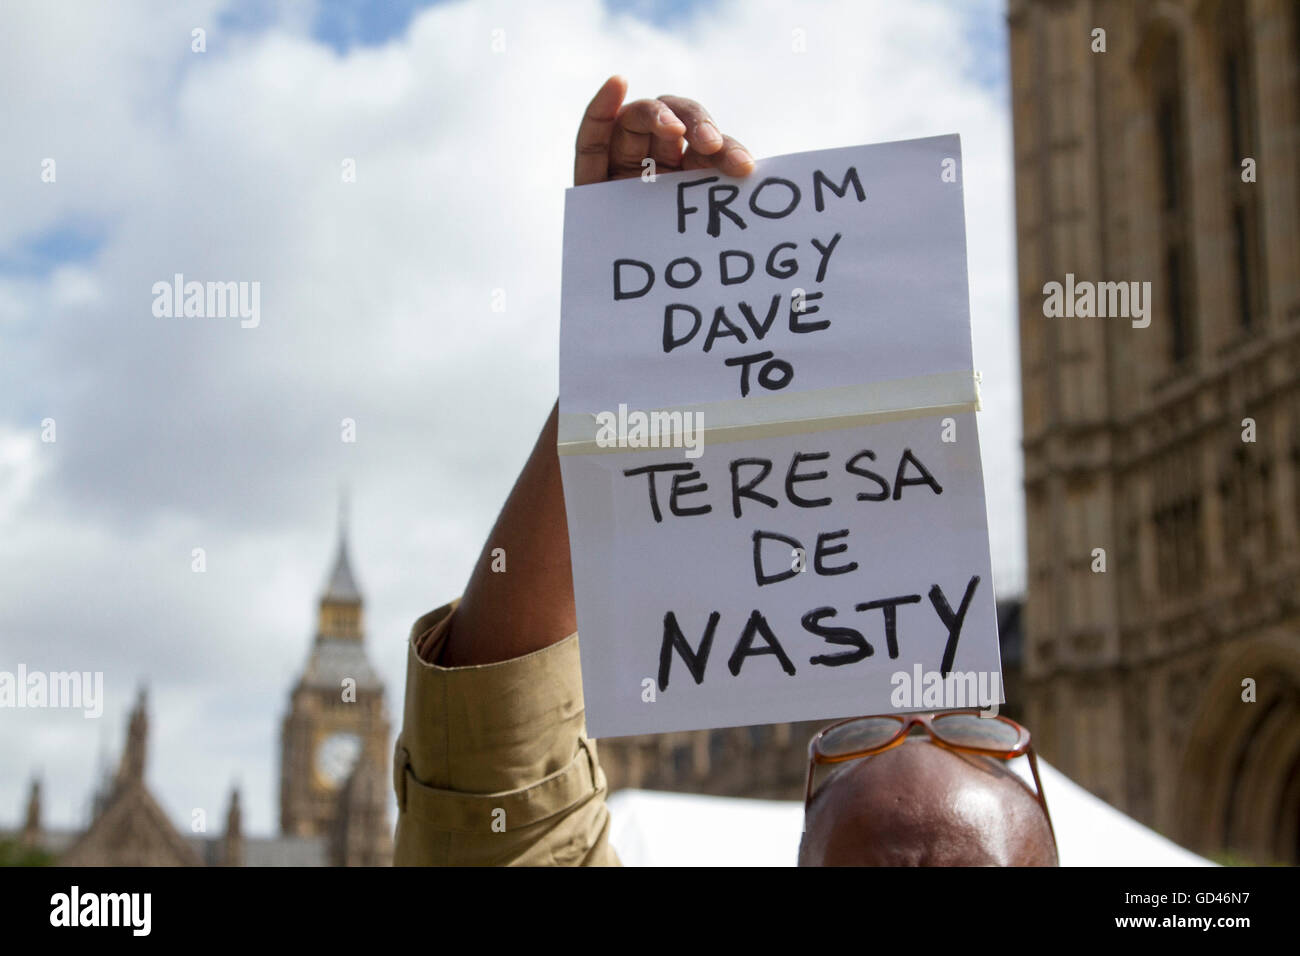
[{"x": 376, "y": 305}]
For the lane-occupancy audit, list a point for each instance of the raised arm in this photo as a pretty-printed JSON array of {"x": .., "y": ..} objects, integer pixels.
[
  {"x": 493, "y": 765},
  {"x": 502, "y": 616}
]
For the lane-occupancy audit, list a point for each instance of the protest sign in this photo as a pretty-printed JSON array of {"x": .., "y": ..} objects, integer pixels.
[{"x": 768, "y": 443}]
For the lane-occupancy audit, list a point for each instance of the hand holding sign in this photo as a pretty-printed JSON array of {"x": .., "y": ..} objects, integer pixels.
[{"x": 614, "y": 139}]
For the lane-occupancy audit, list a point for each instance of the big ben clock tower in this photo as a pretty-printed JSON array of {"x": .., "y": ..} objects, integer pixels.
[{"x": 334, "y": 744}]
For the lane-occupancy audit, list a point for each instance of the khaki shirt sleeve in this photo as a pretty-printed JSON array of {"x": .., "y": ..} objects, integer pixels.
[{"x": 493, "y": 766}]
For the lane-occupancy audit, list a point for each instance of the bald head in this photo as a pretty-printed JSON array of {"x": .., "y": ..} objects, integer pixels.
[{"x": 923, "y": 805}]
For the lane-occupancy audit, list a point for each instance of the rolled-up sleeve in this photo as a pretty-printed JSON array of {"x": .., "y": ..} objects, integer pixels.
[{"x": 493, "y": 766}]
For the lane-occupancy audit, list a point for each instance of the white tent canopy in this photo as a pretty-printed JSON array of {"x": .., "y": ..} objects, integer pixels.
[{"x": 651, "y": 828}]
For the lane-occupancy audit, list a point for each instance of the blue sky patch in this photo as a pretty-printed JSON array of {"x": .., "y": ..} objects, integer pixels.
[
  {"x": 344, "y": 24},
  {"x": 42, "y": 253}
]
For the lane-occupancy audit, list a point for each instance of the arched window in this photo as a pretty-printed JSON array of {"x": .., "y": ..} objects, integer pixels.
[
  {"x": 1295, "y": 453},
  {"x": 1176, "y": 515},
  {"x": 1240, "y": 124},
  {"x": 1165, "y": 72},
  {"x": 1244, "y": 486}
]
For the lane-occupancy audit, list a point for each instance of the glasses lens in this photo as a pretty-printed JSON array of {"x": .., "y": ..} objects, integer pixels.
[
  {"x": 857, "y": 735},
  {"x": 971, "y": 730}
]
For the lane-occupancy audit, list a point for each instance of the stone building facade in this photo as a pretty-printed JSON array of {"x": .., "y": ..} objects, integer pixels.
[
  {"x": 767, "y": 761},
  {"x": 1160, "y": 142}
]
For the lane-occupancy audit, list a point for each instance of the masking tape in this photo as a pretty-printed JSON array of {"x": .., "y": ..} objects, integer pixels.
[{"x": 795, "y": 413}]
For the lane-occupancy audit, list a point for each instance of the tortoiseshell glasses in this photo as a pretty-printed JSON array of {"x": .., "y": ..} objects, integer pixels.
[{"x": 963, "y": 731}]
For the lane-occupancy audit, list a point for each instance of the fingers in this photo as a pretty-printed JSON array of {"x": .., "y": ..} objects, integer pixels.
[
  {"x": 667, "y": 153},
  {"x": 645, "y": 128},
  {"x": 707, "y": 146},
  {"x": 614, "y": 139},
  {"x": 651, "y": 116},
  {"x": 596, "y": 131},
  {"x": 702, "y": 134},
  {"x": 732, "y": 159}
]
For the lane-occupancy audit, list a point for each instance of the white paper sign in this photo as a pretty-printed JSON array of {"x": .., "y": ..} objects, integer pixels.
[{"x": 768, "y": 443}]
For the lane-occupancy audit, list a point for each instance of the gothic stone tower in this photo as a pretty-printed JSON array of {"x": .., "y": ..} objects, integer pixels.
[
  {"x": 1170, "y": 154},
  {"x": 336, "y": 723}
]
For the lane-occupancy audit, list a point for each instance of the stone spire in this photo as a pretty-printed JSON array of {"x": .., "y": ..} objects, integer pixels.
[
  {"x": 340, "y": 605},
  {"x": 32, "y": 826},
  {"x": 131, "y": 769},
  {"x": 342, "y": 586},
  {"x": 232, "y": 844},
  {"x": 104, "y": 775}
]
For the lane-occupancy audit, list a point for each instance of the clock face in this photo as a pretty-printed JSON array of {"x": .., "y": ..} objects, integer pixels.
[{"x": 335, "y": 757}]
